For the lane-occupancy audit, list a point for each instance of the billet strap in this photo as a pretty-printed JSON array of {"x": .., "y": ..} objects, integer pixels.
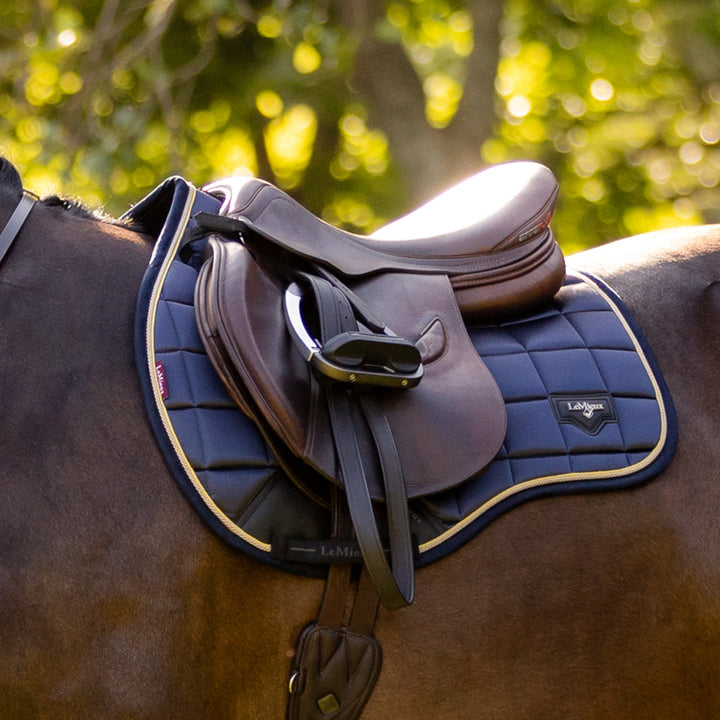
[
  {"x": 339, "y": 579},
  {"x": 16, "y": 221},
  {"x": 367, "y": 604},
  {"x": 339, "y": 582}
]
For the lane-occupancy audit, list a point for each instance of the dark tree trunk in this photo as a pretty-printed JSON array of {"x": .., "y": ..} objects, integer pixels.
[{"x": 429, "y": 158}]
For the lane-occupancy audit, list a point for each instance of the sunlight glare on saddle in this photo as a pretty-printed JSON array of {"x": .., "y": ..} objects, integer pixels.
[{"x": 467, "y": 203}]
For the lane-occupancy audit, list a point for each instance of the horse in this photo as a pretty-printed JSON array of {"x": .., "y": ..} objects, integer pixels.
[{"x": 116, "y": 601}]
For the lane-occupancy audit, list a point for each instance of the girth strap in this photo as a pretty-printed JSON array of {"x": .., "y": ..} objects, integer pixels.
[
  {"x": 16, "y": 221},
  {"x": 337, "y": 659}
]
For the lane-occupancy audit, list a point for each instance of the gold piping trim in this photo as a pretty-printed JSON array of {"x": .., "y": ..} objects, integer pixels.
[
  {"x": 572, "y": 477},
  {"x": 157, "y": 394}
]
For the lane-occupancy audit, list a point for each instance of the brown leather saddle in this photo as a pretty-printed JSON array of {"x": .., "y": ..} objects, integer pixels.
[
  {"x": 489, "y": 234},
  {"x": 352, "y": 357},
  {"x": 351, "y": 354}
]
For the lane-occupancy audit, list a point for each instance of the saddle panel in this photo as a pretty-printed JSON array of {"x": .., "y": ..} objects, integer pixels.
[
  {"x": 446, "y": 430},
  {"x": 493, "y": 238}
]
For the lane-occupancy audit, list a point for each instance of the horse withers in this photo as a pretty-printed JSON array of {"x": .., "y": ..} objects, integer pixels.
[{"x": 118, "y": 603}]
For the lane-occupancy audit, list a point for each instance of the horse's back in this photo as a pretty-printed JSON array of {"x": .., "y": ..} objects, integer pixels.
[
  {"x": 118, "y": 603},
  {"x": 600, "y": 605}
]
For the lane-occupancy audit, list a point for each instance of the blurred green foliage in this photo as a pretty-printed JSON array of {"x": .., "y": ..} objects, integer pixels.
[{"x": 620, "y": 98}]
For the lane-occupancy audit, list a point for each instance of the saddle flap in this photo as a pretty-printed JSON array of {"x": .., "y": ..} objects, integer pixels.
[{"x": 446, "y": 430}]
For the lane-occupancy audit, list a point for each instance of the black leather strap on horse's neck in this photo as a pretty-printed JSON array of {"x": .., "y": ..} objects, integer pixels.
[
  {"x": 15, "y": 222},
  {"x": 395, "y": 585}
]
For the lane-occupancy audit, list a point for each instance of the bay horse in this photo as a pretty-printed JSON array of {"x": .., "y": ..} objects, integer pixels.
[{"x": 116, "y": 602}]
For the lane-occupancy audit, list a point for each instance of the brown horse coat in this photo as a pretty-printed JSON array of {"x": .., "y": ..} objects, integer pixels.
[{"x": 116, "y": 602}]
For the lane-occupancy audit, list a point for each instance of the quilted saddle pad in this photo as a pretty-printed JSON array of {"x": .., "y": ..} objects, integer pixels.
[{"x": 587, "y": 410}]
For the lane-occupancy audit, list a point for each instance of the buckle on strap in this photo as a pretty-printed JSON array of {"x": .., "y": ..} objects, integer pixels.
[{"x": 353, "y": 357}]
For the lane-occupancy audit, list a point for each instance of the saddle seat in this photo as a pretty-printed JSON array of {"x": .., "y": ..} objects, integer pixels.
[{"x": 489, "y": 234}]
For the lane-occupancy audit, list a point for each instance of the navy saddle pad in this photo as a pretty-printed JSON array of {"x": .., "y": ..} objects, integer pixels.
[{"x": 587, "y": 409}]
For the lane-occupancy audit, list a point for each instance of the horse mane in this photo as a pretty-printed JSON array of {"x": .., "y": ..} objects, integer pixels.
[
  {"x": 77, "y": 207},
  {"x": 11, "y": 183}
]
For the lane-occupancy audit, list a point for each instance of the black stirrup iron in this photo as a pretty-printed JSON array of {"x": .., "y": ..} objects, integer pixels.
[{"x": 358, "y": 356}]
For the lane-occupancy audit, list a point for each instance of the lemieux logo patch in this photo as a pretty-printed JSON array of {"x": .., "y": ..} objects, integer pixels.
[
  {"x": 589, "y": 413},
  {"x": 162, "y": 379}
]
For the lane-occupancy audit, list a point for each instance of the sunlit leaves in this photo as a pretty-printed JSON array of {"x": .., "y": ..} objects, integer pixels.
[
  {"x": 269, "y": 25},
  {"x": 621, "y": 113},
  {"x": 306, "y": 58},
  {"x": 442, "y": 93},
  {"x": 361, "y": 149},
  {"x": 289, "y": 140},
  {"x": 229, "y": 152},
  {"x": 41, "y": 87},
  {"x": 350, "y": 211},
  {"x": 437, "y": 36},
  {"x": 269, "y": 103},
  {"x": 620, "y": 97}
]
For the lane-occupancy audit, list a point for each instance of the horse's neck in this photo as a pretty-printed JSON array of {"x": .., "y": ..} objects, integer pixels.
[
  {"x": 74, "y": 257},
  {"x": 68, "y": 289}
]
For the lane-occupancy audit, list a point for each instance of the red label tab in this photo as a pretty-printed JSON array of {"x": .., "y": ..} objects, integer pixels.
[{"x": 162, "y": 379}]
